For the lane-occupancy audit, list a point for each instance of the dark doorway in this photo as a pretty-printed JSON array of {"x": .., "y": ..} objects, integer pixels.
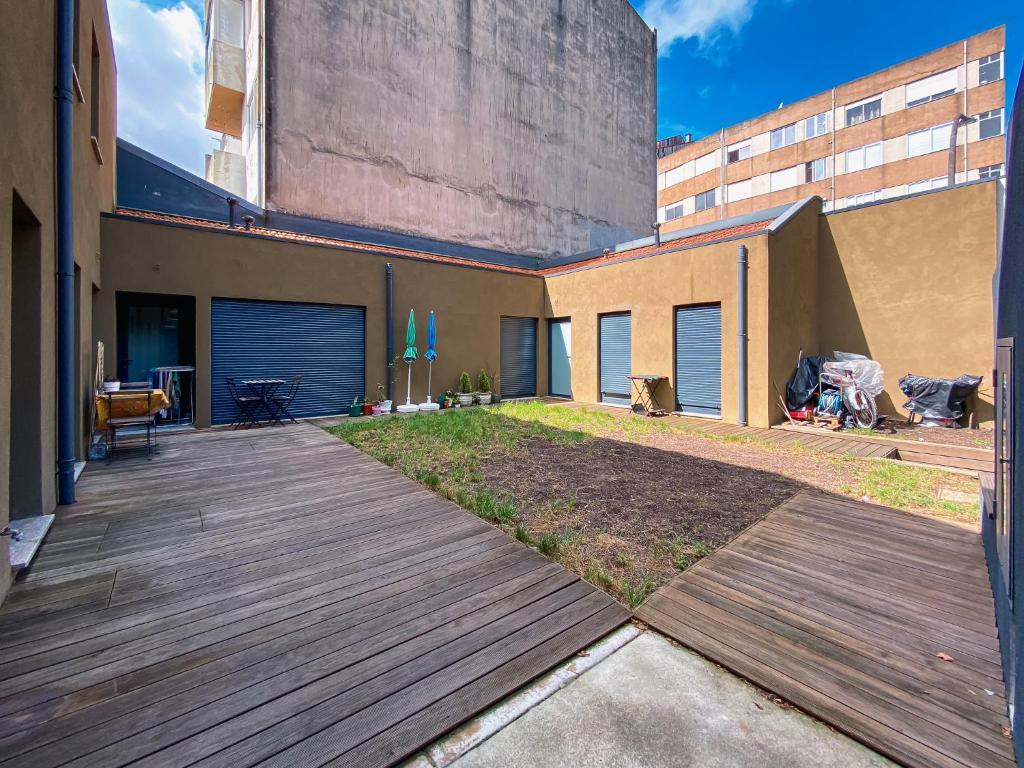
[
  {"x": 27, "y": 396},
  {"x": 154, "y": 330}
]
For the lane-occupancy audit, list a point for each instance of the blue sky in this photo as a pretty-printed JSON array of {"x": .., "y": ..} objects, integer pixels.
[{"x": 720, "y": 62}]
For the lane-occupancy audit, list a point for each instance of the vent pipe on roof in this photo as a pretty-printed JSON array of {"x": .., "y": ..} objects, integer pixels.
[
  {"x": 247, "y": 222},
  {"x": 64, "y": 96},
  {"x": 656, "y": 226},
  {"x": 741, "y": 304},
  {"x": 689, "y": 138},
  {"x": 389, "y": 306},
  {"x": 232, "y": 204}
]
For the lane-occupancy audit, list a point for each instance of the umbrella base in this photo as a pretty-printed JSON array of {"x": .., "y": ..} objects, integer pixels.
[
  {"x": 407, "y": 408},
  {"x": 429, "y": 407}
]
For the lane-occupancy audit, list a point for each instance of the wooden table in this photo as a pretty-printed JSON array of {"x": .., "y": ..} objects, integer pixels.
[{"x": 645, "y": 386}]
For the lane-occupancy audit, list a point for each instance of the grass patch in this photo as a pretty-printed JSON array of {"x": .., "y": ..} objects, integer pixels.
[{"x": 917, "y": 489}]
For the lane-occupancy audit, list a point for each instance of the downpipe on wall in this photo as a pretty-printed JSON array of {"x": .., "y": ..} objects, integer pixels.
[
  {"x": 389, "y": 301},
  {"x": 741, "y": 303},
  {"x": 64, "y": 97}
]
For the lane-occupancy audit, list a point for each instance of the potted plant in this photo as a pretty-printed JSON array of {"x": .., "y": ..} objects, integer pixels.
[
  {"x": 356, "y": 409},
  {"x": 382, "y": 401},
  {"x": 448, "y": 399},
  {"x": 483, "y": 387},
  {"x": 367, "y": 408},
  {"x": 465, "y": 390},
  {"x": 110, "y": 384}
]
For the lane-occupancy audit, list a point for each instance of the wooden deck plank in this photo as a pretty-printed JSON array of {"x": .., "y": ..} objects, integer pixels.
[
  {"x": 244, "y": 579},
  {"x": 843, "y": 609}
]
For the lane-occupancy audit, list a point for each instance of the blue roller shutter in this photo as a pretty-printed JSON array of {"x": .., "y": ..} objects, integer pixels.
[
  {"x": 616, "y": 358},
  {"x": 699, "y": 360},
  {"x": 518, "y": 357},
  {"x": 324, "y": 344}
]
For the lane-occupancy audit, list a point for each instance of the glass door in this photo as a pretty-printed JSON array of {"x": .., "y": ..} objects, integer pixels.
[{"x": 1004, "y": 460}]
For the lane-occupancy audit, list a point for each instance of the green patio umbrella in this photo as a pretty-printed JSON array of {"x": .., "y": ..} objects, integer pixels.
[{"x": 409, "y": 357}]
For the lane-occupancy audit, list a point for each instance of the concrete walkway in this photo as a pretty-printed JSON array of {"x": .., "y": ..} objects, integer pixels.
[{"x": 653, "y": 704}]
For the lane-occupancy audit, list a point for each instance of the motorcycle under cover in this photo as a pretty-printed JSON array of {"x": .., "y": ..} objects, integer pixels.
[
  {"x": 804, "y": 383},
  {"x": 938, "y": 398}
]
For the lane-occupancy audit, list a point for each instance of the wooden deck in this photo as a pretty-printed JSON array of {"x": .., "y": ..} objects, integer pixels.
[
  {"x": 271, "y": 597},
  {"x": 849, "y": 611}
]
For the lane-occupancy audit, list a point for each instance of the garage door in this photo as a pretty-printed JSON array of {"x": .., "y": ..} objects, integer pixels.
[
  {"x": 699, "y": 360},
  {"x": 518, "y": 357},
  {"x": 616, "y": 357},
  {"x": 324, "y": 344}
]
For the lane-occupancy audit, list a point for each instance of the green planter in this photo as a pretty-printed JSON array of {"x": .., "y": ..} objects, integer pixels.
[{"x": 355, "y": 410}]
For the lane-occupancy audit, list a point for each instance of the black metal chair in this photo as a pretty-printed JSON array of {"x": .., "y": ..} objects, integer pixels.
[
  {"x": 246, "y": 406},
  {"x": 116, "y": 423},
  {"x": 283, "y": 402}
]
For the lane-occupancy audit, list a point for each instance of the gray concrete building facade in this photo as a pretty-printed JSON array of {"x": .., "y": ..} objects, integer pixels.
[{"x": 519, "y": 126}]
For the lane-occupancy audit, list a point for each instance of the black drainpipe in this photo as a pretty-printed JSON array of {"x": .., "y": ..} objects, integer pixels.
[
  {"x": 389, "y": 302},
  {"x": 656, "y": 226},
  {"x": 232, "y": 203},
  {"x": 741, "y": 273},
  {"x": 64, "y": 96}
]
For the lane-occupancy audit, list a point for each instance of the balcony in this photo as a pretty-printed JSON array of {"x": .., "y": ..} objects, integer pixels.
[
  {"x": 227, "y": 170},
  {"x": 225, "y": 87}
]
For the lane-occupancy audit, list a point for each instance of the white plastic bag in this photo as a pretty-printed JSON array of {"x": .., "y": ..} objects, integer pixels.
[{"x": 865, "y": 371}]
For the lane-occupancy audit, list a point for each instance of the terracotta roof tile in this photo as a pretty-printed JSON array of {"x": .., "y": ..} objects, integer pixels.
[{"x": 667, "y": 247}]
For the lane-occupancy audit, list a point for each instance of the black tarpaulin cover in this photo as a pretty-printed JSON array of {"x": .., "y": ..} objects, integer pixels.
[
  {"x": 801, "y": 387},
  {"x": 938, "y": 398}
]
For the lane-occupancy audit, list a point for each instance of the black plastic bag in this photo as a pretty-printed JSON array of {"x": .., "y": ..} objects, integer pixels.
[
  {"x": 804, "y": 382},
  {"x": 938, "y": 398}
]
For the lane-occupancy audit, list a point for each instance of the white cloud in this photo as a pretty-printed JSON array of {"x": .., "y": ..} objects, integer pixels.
[
  {"x": 703, "y": 20},
  {"x": 160, "y": 62}
]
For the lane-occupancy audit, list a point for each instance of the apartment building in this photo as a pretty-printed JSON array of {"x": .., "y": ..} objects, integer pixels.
[
  {"x": 882, "y": 136},
  {"x": 530, "y": 131}
]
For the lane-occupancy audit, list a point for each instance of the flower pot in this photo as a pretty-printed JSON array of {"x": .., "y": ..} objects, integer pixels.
[
  {"x": 485, "y": 398},
  {"x": 355, "y": 410},
  {"x": 376, "y": 410},
  {"x": 367, "y": 409},
  {"x": 385, "y": 406},
  {"x": 465, "y": 400}
]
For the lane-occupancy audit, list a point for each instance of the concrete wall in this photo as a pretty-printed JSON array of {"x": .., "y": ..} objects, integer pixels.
[
  {"x": 651, "y": 288},
  {"x": 909, "y": 283},
  {"x": 147, "y": 257},
  {"x": 27, "y": 61},
  {"x": 526, "y": 127}
]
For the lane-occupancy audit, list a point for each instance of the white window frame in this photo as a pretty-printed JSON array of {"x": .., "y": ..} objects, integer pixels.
[
  {"x": 811, "y": 170},
  {"x": 816, "y": 125},
  {"x": 936, "y": 140},
  {"x": 874, "y": 196},
  {"x": 785, "y": 131},
  {"x": 674, "y": 211},
  {"x": 942, "y": 78},
  {"x": 992, "y": 58},
  {"x": 702, "y": 198},
  {"x": 991, "y": 115},
  {"x": 861, "y": 105},
  {"x": 926, "y": 185},
  {"x": 991, "y": 171},
  {"x": 863, "y": 152},
  {"x": 739, "y": 190},
  {"x": 743, "y": 151}
]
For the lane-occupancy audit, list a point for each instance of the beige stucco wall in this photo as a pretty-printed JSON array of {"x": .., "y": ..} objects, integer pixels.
[
  {"x": 27, "y": 171},
  {"x": 147, "y": 257},
  {"x": 651, "y": 289},
  {"x": 909, "y": 283}
]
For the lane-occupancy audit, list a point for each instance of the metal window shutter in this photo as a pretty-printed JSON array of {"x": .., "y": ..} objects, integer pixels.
[
  {"x": 518, "y": 357},
  {"x": 264, "y": 339},
  {"x": 616, "y": 351},
  {"x": 699, "y": 360}
]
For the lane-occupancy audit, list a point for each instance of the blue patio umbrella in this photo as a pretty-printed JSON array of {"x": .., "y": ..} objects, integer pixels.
[{"x": 431, "y": 354}]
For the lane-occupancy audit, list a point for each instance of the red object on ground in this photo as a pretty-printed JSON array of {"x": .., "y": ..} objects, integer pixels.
[
  {"x": 801, "y": 414},
  {"x": 367, "y": 409}
]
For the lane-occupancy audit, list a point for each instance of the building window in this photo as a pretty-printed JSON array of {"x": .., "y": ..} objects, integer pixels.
[
  {"x": 739, "y": 190},
  {"x": 990, "y": 124},
  {"x": 927, "y": 184},
  {"x": 673, "y": 212},
  {"x": 816, "y": 125},
  {"x": 737, "y": 153},
  {"x": 990, "y": 68},
  {"x": 868, "y": 156},
  {"x": 928, "y": 140},
  {"x": 661, "y": 181},
  {"x": 784, "y": 179},
  {"x": 814, "y": 170},
  {"x": 706, "y": 163},
  {"x": 784, "y": 136},
  {"x": 95, "y": 90},
  {"x": 865, "y": 197},
  {"x": 931, "y": 88},
  {"x": 991, "y": 171},
  {"x": 704, "y": 200},
  {"x": 861, "y": 113}
]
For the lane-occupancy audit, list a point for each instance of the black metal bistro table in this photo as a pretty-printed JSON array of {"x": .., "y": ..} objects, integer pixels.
[{"x": 265, "y": 389}]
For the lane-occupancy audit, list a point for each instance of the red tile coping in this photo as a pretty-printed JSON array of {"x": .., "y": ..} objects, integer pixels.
[{"x": 279, "y": 234}]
